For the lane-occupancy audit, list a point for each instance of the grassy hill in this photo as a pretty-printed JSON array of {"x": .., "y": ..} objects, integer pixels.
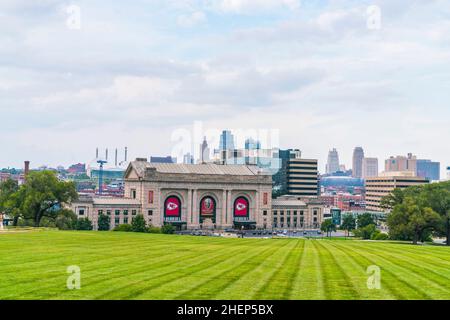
[{"x": 33, "y": 265}]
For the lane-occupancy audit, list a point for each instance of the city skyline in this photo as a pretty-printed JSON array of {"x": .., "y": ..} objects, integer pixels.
[{"x": 313, "y": 70}]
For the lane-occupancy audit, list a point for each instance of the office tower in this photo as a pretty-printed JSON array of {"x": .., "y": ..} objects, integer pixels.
[
  {"x": 204, "y": 151},
  {"x": 369, "y": 167},
  {"x": 333, "y": 161},
  {"x": 358, "y": 156},
  {"x": 401, "y": 163},
  {"x": 302, "y": 177},
  {"x": 226, "y": 140},
  {"x": 429, "y": 170},
  {"x": 280, "y": 178}
]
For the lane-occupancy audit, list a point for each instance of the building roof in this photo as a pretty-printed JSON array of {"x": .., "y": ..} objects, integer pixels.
[
  {"x": 288, "y": 202},
  {"x": 204, "y": 169},
  {"x": 115, "y": 201}
]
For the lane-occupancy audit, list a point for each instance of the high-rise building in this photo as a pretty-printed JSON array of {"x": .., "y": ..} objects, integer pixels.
[
  {"x": 448, "y": 173},
  {"x": 188, "y": 158},
  {"x": 333, "y": 161},
  {"x": 379, "y": 187},
  {"x": 302, "y": 177},
  {"x": 401, "y": 163},
  {"x": 369, "y": 167},
  {"x": 226, "y": 140},
  {"x": 429, "y": 170},
  {"x": 358, "y": 156},
  {"x": 280, "y": 178},
  {"x": 204, "y": 151}
]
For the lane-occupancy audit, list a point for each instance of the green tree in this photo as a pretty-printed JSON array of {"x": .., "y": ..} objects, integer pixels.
[
  {"x": 9, "y": 199},
  {"x": 66, "y": 220},
  {"x": 348, "y": 223},
  {"x": 409, "y": 220},
  {"x": 103, "y": 223},
  {"x": 138, "y": 224},
  {"x": 83, "y": 224},
  {"x": 42, "y": 195},
  {"x": 364, "y": 220},
  {"x": 328, "y": 226}
]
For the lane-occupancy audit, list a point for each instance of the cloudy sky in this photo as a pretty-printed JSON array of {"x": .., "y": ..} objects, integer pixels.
[{"x": 77, "y": 75}]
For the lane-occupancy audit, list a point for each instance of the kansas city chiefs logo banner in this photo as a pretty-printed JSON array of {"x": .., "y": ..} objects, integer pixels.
[
  {"x": 173, "y": 207},
  {"x": 241, "y": 207}
]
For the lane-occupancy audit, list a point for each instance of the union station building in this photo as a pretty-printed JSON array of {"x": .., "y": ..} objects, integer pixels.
[{"x": 191, "y": 196}]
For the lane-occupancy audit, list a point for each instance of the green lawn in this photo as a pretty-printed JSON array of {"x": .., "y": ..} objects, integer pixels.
[{"x": 33, "y": 265}]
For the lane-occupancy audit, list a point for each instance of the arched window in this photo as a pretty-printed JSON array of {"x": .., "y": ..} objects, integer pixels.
[{"x": 241, "y": 207}]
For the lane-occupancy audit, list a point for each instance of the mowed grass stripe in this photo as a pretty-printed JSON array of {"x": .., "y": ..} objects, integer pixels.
[
  {"x": 209, "y": 283},
  {"x": 278, "y": 286},
  {"x": 270, "y": 287},
  {"x": 418, "y": 277},
  {"x": 102, "y": 284},
  {"x": 357, "y": 269},
  {"x": 184, "y": 273},
  {"x": 247, "y": 285},
  {"x": 309, "y": 284},
  {"x": 54, "y": 268},
  {"x": 117, "y": 265},
  {"x": 403, "y": 279},
  {"x": 341, "y": 286}
]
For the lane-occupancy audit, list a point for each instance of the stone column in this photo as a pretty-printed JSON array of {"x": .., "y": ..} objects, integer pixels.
[
  {"x": 195, "y": 212},
  {"x": 223, "y": 217},
  {"x": 189, "y": 218},
  {"x": 229, "y": 209}
]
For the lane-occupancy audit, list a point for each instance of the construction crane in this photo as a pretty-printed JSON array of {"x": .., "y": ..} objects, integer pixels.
[{"x": 100, "y": 176}]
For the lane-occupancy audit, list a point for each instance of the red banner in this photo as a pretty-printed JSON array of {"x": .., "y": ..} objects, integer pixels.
[
  {"x": 172, "y": 207},
  {"x": 241, "y": 207},
  {"x": 207, "y": 206}
]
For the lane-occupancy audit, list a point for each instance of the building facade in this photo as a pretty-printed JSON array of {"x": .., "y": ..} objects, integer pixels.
[
  {"x": 401, "y": 163},
  {"x": 295, "y": 214},
  {"x": 379, "y": 187}
]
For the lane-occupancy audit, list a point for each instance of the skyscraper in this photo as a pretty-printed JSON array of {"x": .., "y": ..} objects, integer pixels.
[
  {"x": 226, "y": 140},
  {"x": 204, "y": 151},
  {"x": 358, "y": 156},
  {"x": 333, "y": 161},
  {"x": 369, "y": 167}
]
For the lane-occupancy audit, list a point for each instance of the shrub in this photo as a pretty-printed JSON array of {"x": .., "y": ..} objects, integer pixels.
[
  {"x": 377, "y": 235},
  {"x": 83, "y": 224},
  {"x": 153, "y": 230},
  {"x": 123, "y": 228},
  {"x": 365, "y": 232},
  {"x": 168, "y": 229}
]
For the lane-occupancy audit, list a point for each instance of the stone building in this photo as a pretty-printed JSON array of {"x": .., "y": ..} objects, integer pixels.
[
  {"x": 188, "y": 196},
  {"x": 297, "y": 213}
]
